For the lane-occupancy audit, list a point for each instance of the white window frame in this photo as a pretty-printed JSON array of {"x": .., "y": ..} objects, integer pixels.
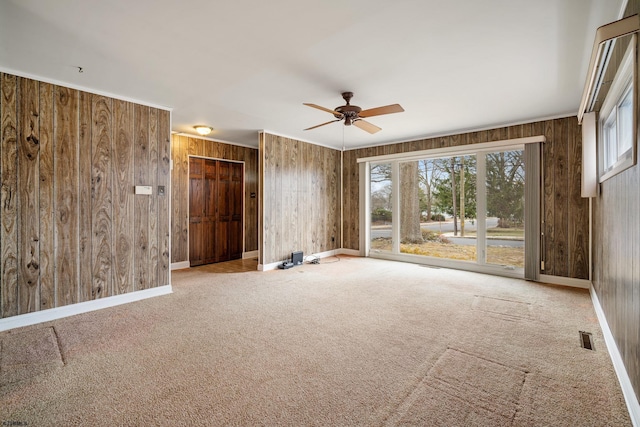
[
  {"x": 624, "y": 84},
  {"x": 479, "y": 150}
]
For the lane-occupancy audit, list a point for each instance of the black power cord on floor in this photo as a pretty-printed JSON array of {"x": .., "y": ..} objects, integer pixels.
[{"x": 312, "y": 259}]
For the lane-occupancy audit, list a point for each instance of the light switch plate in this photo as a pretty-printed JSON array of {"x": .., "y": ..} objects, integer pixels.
[{"x": 144, "y": 189}]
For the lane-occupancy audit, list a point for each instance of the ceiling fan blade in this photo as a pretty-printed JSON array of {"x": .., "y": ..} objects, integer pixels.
[
  {"x": 387, "y": 109},
  {"x": 317, "y": 126},
  {"x": 366, "y": 126},
  {"x": 320, "y": 108}
]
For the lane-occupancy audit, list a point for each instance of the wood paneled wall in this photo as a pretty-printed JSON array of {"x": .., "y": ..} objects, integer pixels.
[
  {"x": 300, "y": 198},
  {"x": 181, "y": 148},
  {"x": 616, "y": 244},
  {"x": 566, "y": 214},
  {"x": 72, "y": 228}
]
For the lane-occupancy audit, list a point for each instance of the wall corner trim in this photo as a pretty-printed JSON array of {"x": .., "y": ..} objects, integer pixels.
[
  {"x": 250, "y": 255},
  {"x": 351, "y": 252},
  {"x": 180, "y": 265},
  {"x": 83, "y": 307},
  {"x": 565, "y": 281},
  {"x": 618, "y": 365}
]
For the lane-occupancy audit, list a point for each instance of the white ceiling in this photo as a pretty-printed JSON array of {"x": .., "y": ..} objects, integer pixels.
[{"x": 242, "y": 66}]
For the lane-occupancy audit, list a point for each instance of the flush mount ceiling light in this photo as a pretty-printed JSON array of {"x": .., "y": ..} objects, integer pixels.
[{"x": 203, "y": 130}]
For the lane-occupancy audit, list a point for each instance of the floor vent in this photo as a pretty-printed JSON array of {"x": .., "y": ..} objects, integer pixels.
[{"x": 586, "y": 340}]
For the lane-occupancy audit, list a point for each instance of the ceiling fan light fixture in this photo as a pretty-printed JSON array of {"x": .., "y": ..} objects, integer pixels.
[{"x": 203, "y": 130}]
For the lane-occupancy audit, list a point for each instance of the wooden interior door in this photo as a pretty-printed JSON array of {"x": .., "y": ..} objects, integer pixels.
[
  {"x": 236, "y": 203},
  {"x": 215, "y": 210},
  {"x": 210, "y": 218},
  {"x": 224, "y": 211}
]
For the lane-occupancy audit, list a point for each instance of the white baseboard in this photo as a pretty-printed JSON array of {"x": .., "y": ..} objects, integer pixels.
[
  {"x": 250, "y": 255},
  {"x": 83, "y": 307},
  {"x": 268, "y": 267},
  {"x": 180, "y": 265},
  {"x": 565, "y": 281},
  {"x": 352, "y": 252},
  {"x": 618, "y": 365},
  {"x": 333, "y": 252}
]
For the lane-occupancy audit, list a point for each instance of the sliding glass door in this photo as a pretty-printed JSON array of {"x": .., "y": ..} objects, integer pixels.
[
  {"x": 464, "y": 210},
  {"x": 505, "y": 208}
]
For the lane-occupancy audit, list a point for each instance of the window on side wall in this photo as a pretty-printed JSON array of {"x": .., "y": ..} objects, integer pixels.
[{"x": 617, "y": 148}]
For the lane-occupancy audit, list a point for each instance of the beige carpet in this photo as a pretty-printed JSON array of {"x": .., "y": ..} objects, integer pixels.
[{"x": 358, "y": 342}]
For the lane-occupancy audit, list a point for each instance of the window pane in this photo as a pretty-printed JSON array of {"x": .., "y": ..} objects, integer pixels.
[
  {"x": 505, "y": 209},
  {"x": 381, "y": 208},
  {"x": 609, "y": 140},
  {"x": 436, "y": 195},
  {"x": 625, "y": 124}
]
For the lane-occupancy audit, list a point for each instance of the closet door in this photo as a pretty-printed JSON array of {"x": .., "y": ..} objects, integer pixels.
[
  {"x": 224, "y": 211},
  {"x": 236, "y": 202},
  {"x": 210, "y": 220},
  {"x": 215, "y": 210}
]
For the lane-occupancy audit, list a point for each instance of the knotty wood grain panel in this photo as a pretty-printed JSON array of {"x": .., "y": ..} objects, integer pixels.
[
  {"x": 515, "y": 131},
  {"x": 561, "y": 204},
  {"x": 164, "y": 159},
  {"x": 313, "y": 197},
  {"x": 153, "y": 200},
  {"x": 9, "y": 206},
  {"x": 272, "y": 218},
  {"x": 250, "y": 199},
  {"x": 237, "y": 201},
  {"x": 123, "y": 207},
  {"x": 616, "y": 272},
  {"x": 28, "y": 189},
  {"x": 198, "y": 252},
  {"x": 179, "y": 201},
  {"x": 66, "y": 190},
  {"x": 47, "y": 198},
  {"x": 287, "y": 222},
  {"x": 183, "y": 198},
  {"x": 102, "y": 194},
  {"x": 548, "y": 197},
  {"x": 350, "y": 195},
  {"x": 196, "y": 146},
  {"x": 85, "y": 237},
  {"x": 578, "y": 207},
  {"x": 141, "y": 202},
  {"x": 616, "y": 248},
  {"x": 60, "y": 211}
]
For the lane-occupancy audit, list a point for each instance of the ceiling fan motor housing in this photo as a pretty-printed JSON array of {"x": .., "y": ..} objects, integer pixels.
[{"x": 349, "y": 112}]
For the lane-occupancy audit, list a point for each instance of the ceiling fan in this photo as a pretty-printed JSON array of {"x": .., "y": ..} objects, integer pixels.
[{"x": 352, "y": 114}]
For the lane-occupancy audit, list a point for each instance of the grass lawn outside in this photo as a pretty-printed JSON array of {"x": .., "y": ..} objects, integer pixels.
[
  {"x": 499, "y": 255},
  {"x": 500, "y": 232}
]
